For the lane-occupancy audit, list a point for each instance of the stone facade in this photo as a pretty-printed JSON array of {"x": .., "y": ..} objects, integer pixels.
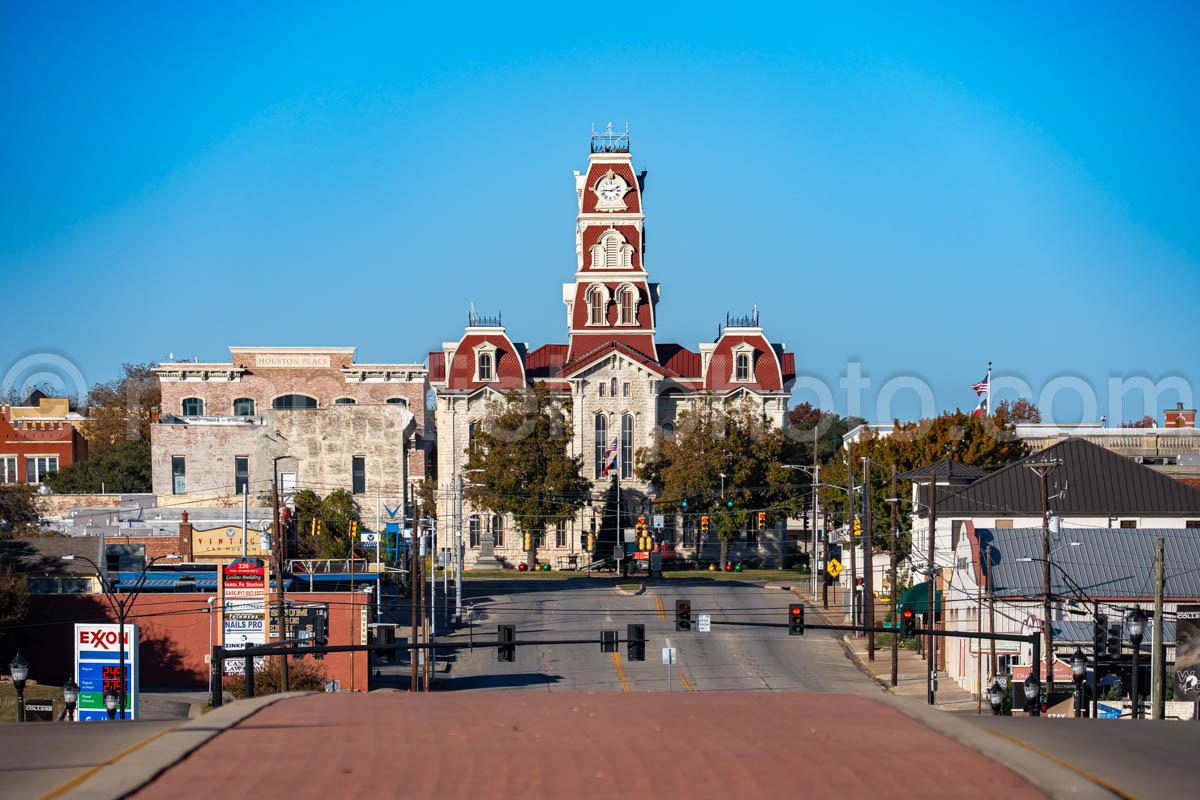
[
  {"x": 625, "y": 387},
  {"x": 334, "y": 414}
]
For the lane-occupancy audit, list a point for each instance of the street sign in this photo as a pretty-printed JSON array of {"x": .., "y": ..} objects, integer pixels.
[
  {"x": 833, "y": 567},
  {"x": 369, "y": 539},
  {"x": 630, "y": 535},
  {"x": 618, "y": 552},
  {"x": 704, "y": 623},
  {"x": 1187, "y": 652},
  {"x": 656, "y": 562},
  {"x": 668, "y": 655},
  {"x": 657, "y": 520}
]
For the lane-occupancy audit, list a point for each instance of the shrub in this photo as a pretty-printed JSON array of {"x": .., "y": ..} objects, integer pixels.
[{"x": 304, "y": 675}]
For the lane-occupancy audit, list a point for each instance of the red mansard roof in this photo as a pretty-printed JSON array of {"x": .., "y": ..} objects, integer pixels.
[
  {"x": 680, "y": 360},
  {"x": 596, "y": 353},
  {"x": 546, "y": 361},
  {"x": 437, "y": 367},
  {"x": 633, "y": 198}
]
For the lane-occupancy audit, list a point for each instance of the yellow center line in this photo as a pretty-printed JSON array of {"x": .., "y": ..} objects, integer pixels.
[
  {"x": 87, "y": 773},
  {"x": 1091, "y": 776},
  {"x": 662, "y": 611},
  {"x": 683, "y": 679},
  {"x": 620, "y": 668}
]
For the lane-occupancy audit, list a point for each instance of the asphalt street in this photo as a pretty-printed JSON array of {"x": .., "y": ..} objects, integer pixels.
[{"x": 728, "y": 658}]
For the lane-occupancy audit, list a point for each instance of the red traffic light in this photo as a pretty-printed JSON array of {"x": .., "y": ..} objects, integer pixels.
[
  {"x": 797, "y": 610},
  {"x": 641, "y": 520},
  {"x": 762, "y": 515},
  {"x": 908, "y": 613}
]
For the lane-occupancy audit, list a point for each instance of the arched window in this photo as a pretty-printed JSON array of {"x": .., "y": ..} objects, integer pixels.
[
  {"x": 498, "y": 530},
  {"x": 344, "y": 401},
  {"x": 603, "y": 388},
  {"x": 743, "y": 367},
  {"x": 290, "y": 401},
  {"x": 473, "y": 530},
  {"x": 612, "y": 251},
  {"x": 668, "y": 429},
  {"x": 627, "y": 446},
  {"x": 396, "y": 401},
  {"x": 612, "y": 387},
  {"x": 243, "y": 407},
  {"x": 628, "y": 306},
  {"x": 193, "y": 407},
  {"x": 472, "y": 432},
  {"x": 485, "y": 366},
  {"x": 601, "y": 443},
  {"x": 596, "y": 306}
]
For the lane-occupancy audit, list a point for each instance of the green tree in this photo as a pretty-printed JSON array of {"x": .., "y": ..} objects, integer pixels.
[
  {"x": 120, "y": 468},
  {"x": 523, "y": 468},
  {"x": 739, "y": 443},
  {"x": 334, "y": 512},
  {"x": 18, "y": 511}
]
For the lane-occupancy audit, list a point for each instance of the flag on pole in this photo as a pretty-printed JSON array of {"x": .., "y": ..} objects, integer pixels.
[
  {"x": 982, "y": 408},
  {"x": 983, "y": 386},
  {"x": 610, "y": 457},
  {"x": 983, "y": 389}
]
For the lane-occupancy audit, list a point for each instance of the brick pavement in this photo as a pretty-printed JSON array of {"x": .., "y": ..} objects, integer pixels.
[{"x": 697, "y": 745}]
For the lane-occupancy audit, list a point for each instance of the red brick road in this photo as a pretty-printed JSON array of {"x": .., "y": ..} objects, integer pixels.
[{"x": 529, "y": 745}]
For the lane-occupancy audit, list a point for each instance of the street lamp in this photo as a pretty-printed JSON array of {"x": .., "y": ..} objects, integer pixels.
[
  {"x": 1031, "y": 693},
  {"x": 70, "y": 697},
  {"x": 996, "y": 697},
  {"x": 1078, "y": 673},
  {"x": 931, "y": 611},
  {"x": 1137, "y": 627},
  {"x": 19, "y": 669},
  {"x": 111, "y": 699},
  {"x": 121, "y": 610}
]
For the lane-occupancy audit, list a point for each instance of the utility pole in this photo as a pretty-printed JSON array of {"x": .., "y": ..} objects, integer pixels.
[
  {"x": 816, "y": 478},
  {"x": 280, "y": 555},
  {"x": 825, "y": 577},
  {"x": 1158, "y": 653},
  {"x": 1042, "y": 468},
  {"x": 458, "y": 552},
  {"x": 414, "y": 586},
  {"x": 931, "y": 640},
  {"x": 868, "y": 562},
  {"x": 850, "y": 527},
  {"x": 991, "y": 609},
  {"x": 892, "y": 579}
]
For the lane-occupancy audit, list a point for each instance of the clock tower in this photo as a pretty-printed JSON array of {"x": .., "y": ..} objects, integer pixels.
[{"x": 611, "y": 299}]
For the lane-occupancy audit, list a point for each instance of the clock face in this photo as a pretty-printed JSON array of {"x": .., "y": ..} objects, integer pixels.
[{"x": 610, "y": 189}]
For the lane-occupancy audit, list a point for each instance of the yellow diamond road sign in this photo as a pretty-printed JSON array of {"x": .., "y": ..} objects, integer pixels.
[{"x": 833, "y": 567}]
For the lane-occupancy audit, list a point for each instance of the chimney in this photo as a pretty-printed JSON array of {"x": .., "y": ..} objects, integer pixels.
[{"x": 185, "y": 538}]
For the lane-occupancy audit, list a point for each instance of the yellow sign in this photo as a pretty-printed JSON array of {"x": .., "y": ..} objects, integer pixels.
[
  {"x": 225, "y": 542},
  {"x": 833, "y": 567}
]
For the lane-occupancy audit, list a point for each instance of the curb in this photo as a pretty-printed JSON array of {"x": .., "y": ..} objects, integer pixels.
[
  {"x": 628, "y": 593},
  {"x": 126, "y": 775},
  {"x": 1042, "y": 773}
]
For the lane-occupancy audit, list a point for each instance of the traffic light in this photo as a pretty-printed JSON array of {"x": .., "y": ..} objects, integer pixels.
[
  {"x": 636, "y": 634},
  {"x": 857, "y": 526},
  {"x": 729, "y": 504},
  {"x": 591, "y": 542},
  {"x": 683, "y": 615},
  {"x": 704, "y": 524},
  {"x": 527, "y": 541},
  {"x": 762, "y": 520},
  {"x": 608, "y": 642},
  {"x": 796, "y": 619},
  {"x": 320, "y": 528},
  {"x": 1100, "y": 635},
  {"x": 353, "y": 529},
  {"x": 505, "y": 636},
  {"x": 312, "y": 529},
  {"x": 1114, "y": 640},
  {"x": 908, "y": 624},
  {"x": 683, "y": 504}
]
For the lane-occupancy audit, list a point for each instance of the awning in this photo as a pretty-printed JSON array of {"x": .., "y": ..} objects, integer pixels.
[{"x": 917, "y": 598}]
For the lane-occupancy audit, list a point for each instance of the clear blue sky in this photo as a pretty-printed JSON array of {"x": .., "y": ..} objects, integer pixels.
[{"x": 915, "y": 188}]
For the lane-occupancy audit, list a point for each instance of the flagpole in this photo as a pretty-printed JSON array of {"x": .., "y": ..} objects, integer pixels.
[{"x": 989, "y": 390}]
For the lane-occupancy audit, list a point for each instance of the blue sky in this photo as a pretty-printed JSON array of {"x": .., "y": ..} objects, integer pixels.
[{"x": 915, "y": 189}]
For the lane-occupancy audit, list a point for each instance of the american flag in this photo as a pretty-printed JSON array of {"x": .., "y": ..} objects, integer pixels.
[
  {"x": 982, "y": 386},
  {"x": 610, "y": 457}
]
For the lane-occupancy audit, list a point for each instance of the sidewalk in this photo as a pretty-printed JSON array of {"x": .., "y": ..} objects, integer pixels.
[{"x": 910, "y": 677}]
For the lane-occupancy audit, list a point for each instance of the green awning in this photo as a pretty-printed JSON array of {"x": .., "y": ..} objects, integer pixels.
[{"x": 917, "y": 598}]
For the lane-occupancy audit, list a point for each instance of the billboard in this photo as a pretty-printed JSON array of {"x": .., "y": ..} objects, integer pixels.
[
  {"x": 1187, "y": 653},
  {"x": 243, "y": 588},
  {"x": 225, "y": 542},
  {"x": 98, "y": 669}
]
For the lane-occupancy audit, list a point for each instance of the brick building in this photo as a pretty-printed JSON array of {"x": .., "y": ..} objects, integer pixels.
[
  {"x": 321, "y": 419},
  {"x": 38, "y": 440},
  {"x": 626, "y": 386}
]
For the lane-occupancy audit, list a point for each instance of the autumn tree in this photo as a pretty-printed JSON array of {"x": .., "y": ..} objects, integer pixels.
[
  {"x": 520, "y": 466},
  {"x": 1145, "y": 422},
  {"x": 331, "y": 538},
  {"x": 713, "y": 440},
  {"x": 1020, "y": 411}
]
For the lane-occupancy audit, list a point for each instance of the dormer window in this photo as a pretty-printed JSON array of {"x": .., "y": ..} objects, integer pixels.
[
  {"x": 627, "y": 303},
  {"x": 743, "y": 359},
  {"x": 612, "y": 252},
  {"x": 596, "y": 305},
  {"x": 485, "y": 362}
]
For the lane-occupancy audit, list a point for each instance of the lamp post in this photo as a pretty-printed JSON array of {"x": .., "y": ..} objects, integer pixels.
[
  {"x": 18, "y": 668},
  {"x": 1137, "y": 627},
  {"x": 1081, "y": 594},
  {"x": 931, "y": 640},
  {"x": 121, "y": 608},
  {"x": 996, "y": 697},
  {"x": 1032, "y": 689},
  {"x": 70, "y": 698},
  {"x": 1078, "y": 673}
]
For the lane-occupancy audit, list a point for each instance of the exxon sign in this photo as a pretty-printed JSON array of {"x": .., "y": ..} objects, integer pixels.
[
  {"x": 102, "y": 638},
  {"x": 98, "y": 669}
]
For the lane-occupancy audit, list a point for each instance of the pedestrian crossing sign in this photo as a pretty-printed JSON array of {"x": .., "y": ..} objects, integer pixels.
[{"x": 833, "y": 567}]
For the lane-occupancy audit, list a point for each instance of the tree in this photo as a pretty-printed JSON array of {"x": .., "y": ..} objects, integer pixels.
[
  {"x": 122, "y": 409},
  {"x": 830, "y": 429},
  {"x": 18, "y": 511},
  {"x": 712, "y": 440},
  {"x": 524, "y": 469},
  {"x": 331, "y": 538},
  {"x": 14, "y": 598},
  {"x": 121, "y": 468},
  {"x": 1020, "y": 411},
  {"x": 1145, "y": 422}
]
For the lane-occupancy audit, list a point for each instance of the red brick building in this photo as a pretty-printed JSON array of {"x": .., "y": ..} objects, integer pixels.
[{"x": 38, "y": 440}]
